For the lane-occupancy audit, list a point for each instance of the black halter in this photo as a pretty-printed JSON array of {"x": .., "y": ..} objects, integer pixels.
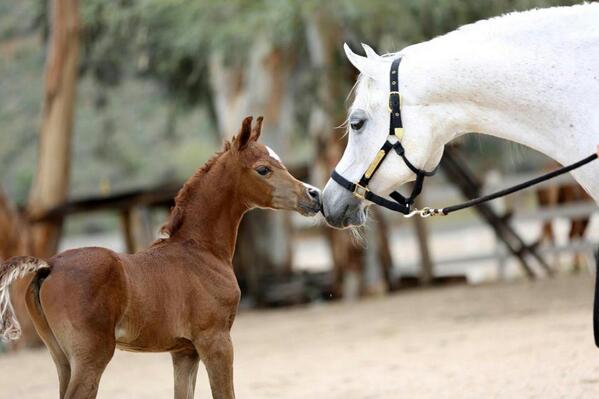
[{"x": 393, "y": 142}]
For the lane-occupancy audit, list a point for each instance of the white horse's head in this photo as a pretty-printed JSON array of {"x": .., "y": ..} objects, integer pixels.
[{"x": 368, "y": 129}]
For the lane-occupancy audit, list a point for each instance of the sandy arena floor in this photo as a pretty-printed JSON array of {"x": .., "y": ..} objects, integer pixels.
[{"x": 518, "y": 340}]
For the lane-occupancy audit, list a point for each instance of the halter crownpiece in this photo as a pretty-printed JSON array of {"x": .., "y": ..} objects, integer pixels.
[{"x": 393, "y": 142}]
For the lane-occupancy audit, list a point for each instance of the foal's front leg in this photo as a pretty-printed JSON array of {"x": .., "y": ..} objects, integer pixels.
[
  {"x": 217, "y": 355},
  {"x": 185, "y": 365}
]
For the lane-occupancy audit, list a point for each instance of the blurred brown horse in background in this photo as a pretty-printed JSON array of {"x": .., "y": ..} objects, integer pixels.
[
  {"x": 560, "y": 194},
  {"x": 178, "y": 296}
]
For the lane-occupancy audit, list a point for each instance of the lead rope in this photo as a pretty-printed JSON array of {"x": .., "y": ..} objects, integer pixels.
[{"x": 428, "y": 212}]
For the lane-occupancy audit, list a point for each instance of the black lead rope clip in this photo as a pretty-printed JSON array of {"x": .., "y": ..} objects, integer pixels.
[{"x": 425, "y": 212}]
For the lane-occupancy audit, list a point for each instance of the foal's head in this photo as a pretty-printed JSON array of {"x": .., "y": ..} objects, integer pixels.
[{"x": 264, "y": 181}]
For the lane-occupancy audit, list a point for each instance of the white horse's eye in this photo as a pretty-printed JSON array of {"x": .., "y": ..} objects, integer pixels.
[
  {"x": 358, "y": 119},
  {"x": 357, "y": 124}
]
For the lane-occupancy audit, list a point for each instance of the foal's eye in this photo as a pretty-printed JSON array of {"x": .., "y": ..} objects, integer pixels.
[
  {"x": 357, "y": 124},
  {"x": 263, "y": 170}
]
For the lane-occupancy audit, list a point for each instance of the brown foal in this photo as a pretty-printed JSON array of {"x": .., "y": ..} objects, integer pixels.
[{"x": 178, "y": 296}]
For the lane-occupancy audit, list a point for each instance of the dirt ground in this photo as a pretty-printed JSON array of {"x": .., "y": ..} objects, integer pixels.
[{"x": 516, "y": 340}]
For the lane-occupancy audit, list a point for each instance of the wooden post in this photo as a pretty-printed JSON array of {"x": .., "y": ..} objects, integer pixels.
[
  {"x": 125, "y": 220},
  {"x": 142, "y": 227},
  {"x": 426, "y": 264},
  {"x": 383, "y": 248},
  {"x": 137, "y": 228}
]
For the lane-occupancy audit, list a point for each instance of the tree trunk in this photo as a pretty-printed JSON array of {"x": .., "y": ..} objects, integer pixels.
[
  {"x": 51, "y": 185},
  {"x": 258, "y": 87},
  {"x": 323, "y": 35}
]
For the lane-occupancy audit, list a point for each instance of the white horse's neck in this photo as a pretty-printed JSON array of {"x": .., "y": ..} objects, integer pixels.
[{"x": 530, "y": 77}]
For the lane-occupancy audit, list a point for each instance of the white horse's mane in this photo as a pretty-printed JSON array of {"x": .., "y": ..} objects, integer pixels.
[
  {"x": 514, "y": 22},
  {"x": 507, "y": 24}
]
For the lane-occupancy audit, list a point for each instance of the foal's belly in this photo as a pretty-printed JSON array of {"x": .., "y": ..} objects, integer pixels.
[{"x": 155, "y": 338}]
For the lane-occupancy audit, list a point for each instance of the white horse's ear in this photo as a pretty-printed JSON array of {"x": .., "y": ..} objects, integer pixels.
[
  {"x": 365, "y": 65},
  {"x": 370, "y": 53}
]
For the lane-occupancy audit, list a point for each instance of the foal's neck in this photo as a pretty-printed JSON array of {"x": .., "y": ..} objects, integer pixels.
[{"x": 212, "y": 209}]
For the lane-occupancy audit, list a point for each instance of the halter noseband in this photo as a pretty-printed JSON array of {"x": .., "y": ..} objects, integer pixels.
[{"x": 393, "y": 142}]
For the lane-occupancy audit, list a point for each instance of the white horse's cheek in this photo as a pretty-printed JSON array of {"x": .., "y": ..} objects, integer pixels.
[
  {"x": 352, "y": 165},
  {"x": 361, "y": 150}
]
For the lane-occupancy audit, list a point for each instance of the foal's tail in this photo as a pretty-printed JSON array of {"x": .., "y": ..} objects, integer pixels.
[{"x": 11, "y": 270}]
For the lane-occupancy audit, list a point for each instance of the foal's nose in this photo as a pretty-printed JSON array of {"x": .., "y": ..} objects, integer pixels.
[{"x": 314, "y": 193}]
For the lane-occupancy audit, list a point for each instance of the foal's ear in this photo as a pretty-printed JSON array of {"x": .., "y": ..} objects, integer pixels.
[
  {"x": 241, "y": 140},
  {"x": 257, "y": 129}
]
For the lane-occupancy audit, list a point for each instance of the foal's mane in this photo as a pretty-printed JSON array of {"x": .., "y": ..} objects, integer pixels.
[{"x": 176, "y": 216}]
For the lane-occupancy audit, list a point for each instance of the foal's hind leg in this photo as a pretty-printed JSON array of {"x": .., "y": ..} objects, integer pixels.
[
  {"x": 217, "y": 355},
  {"x": 185, "y": 365},
  {"x": 87, "y": 368},
  {"x": 63, "y": 367},
  {"x": 90, "y": 345},
  {"x": 82, "y": 310}
]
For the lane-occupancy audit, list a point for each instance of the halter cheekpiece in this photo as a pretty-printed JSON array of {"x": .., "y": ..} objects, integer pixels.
[{"x": 402, "y": 204}]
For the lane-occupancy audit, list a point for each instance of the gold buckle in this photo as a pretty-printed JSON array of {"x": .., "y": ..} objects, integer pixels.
[
  {"x": 360, "y": 191},
  {"x": 389, "y": 101}
]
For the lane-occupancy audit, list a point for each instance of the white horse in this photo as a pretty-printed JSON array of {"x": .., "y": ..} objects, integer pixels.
[{"x": 530, "y": 77}]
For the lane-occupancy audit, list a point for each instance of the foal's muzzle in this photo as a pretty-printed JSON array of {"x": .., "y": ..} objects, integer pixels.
[{"x": 312, "y": 204}]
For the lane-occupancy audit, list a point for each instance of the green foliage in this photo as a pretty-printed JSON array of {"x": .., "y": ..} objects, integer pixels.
[
  {"x": 20, "y": 17},
  {"x": 169, "y": 40},
  {"x": 144, "y": 97}
]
